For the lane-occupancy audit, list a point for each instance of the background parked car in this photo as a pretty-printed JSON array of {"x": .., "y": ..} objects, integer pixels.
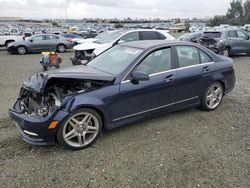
[
  {"x": 86, "y": 40},
  {"x": 7, "y": 39},
  {"x": 226, "y": 42},
  {"x": 88, "y": 51},
  {"x": 70, "y": 36},
  {"x": 190, "y": 37},
  {"x": 39, "y": 43}
]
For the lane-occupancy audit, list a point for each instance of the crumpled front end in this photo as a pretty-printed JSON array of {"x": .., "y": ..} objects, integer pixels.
[{"x": 42, "y": 103}]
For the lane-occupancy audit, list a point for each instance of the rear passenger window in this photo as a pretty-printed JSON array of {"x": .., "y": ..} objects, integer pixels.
[
  {"x": 187, "y": 56},
  {"x": 205, "y": 58},
  {"x": 149, "y": 35}
]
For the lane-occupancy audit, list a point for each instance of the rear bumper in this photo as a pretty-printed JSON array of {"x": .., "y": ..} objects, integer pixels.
[
  {"x": 35, "y": 130},
  {"x": 12, "y": 49},
  {"x": 215, "y": 48}
]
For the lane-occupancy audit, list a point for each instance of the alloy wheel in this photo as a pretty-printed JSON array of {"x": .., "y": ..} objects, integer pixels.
[
  {"x": 81, "y": 129},
  {"x": 225, "y": 52},
  {"x": 21, "y": 50},
  {"x": 61, "y": 48},
  {"x": 214, "y": 96}
]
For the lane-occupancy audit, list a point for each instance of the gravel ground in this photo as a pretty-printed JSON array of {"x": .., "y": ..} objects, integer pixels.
[{"x": 189, "y": 148}]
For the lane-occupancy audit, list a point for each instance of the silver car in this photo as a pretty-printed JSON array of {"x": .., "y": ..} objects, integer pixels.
[{"x": 39, "y": 43}]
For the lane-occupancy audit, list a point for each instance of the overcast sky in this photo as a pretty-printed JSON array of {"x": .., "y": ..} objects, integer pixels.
[{"x": 112, "y": 8}]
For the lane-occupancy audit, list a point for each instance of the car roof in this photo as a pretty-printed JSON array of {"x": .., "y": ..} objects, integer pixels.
[{"x": 145, "y": 44}]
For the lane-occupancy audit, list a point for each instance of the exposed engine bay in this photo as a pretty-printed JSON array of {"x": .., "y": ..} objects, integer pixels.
[
  {"x": 85, "y": 55},
  {"x": 56, "y": 90}
]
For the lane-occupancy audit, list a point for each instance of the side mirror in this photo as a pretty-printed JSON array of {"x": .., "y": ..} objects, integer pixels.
[
  {"x": 31, "y": 40},
  {"x": 139, "y": 76}
]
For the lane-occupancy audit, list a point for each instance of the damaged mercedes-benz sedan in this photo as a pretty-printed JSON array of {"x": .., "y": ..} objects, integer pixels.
[{"x": 126, "y": 83}]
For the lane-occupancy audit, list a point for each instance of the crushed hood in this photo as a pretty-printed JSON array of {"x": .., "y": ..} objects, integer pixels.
[
  {"x": 38, "y": 81},
  {"x": 81, "y": 41},
  {"x": 90, "y": 46}
]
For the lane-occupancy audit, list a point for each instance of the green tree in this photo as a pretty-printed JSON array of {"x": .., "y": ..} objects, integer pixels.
[
  {"x": 236, "y": 10},
  {"x": 247, "y": 12},
  {"x": 235, "y": 15},
  {"x": 217, "y": 20}
]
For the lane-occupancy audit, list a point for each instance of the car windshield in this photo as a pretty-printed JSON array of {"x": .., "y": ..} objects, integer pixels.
[
  {"x": 102, "y": 35},
  {"x": 110, "y": 37},
  {"x": 185, "y": 36},
  {"x": 115, "y": 60},
  {"x": 211, "y": 35}
]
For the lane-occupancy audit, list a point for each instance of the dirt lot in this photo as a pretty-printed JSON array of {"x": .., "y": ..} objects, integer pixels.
[{"x": 190, "y": 148}]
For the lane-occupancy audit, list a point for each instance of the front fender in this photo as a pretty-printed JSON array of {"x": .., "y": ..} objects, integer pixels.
[
  {"x": 87, "y": 102},
  {"x": 83, "y": 101}
]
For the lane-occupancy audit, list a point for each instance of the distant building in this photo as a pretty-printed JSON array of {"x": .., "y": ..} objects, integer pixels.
[{"x": 10, "y": 18}]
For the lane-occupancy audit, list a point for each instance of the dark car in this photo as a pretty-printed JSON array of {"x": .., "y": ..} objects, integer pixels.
[
  {"x": 39, "y": 43},
  {"x": 126, "y": 83},
  {"x": 70, "y": 36},
  {"x": 226, "y": 42},
  {"x": 90, "y": 35},
  {"x": 190, "y": 37}
]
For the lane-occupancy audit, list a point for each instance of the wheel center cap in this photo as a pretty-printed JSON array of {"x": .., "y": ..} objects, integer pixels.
[{"x": 81, "y": 128}]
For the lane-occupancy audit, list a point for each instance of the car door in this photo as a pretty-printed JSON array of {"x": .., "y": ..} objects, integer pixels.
[
  {"x": 147, "y": 96},
  {"x": 243, "y": 42},
  {"x": 51, "y": 42},
  {"x": 238, "y": 41},
  {"x": 193, "y": 74},
  {"x": 38, "y": 43}
]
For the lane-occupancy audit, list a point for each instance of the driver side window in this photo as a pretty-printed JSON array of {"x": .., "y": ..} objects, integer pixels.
[
  {"x": 241, "y": 35},
  {"x": 157, "y": 61},
  {"x": 134, "y": 36}
]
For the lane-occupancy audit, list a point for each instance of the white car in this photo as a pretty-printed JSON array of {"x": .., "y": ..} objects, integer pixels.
[
  {"x": 83, "y": 40},
  {"x": 89, "y": 50},
  {"x": 6, "y": 39},
  {"x": 246, "y": 27}
]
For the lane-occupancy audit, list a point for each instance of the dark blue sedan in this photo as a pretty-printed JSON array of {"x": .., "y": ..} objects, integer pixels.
[{"x": 128, "y": 82}]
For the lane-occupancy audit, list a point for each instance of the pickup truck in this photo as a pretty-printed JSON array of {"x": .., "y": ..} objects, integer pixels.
[{"x": 6, "y": 39}]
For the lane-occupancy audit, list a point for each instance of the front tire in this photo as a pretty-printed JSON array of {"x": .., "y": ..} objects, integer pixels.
[
  {"x": 21, "y": 50},
  {"x": 212, "y": 97},
  {"x": 61, "y": 48},
  {"x": 80, "y": 130}
]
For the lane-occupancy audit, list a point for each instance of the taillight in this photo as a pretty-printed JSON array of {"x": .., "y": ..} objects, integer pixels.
[
  {"x": 232, "y": 66},
  {"x": 69, "y": 40}
]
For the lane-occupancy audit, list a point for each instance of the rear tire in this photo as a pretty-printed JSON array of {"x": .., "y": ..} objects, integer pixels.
[
  {"x": 225, "y": 52},
  {"x": 61, "y": 48},
  {"x": 212, "y": 97},
  {"x": 21, "y": 50},
  {"x": 80, "y": 129}
]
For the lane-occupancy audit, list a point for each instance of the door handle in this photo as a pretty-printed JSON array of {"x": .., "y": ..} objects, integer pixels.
[
  {"x": 205, "y": 69},
  {"x": 169, "y": 78}
]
